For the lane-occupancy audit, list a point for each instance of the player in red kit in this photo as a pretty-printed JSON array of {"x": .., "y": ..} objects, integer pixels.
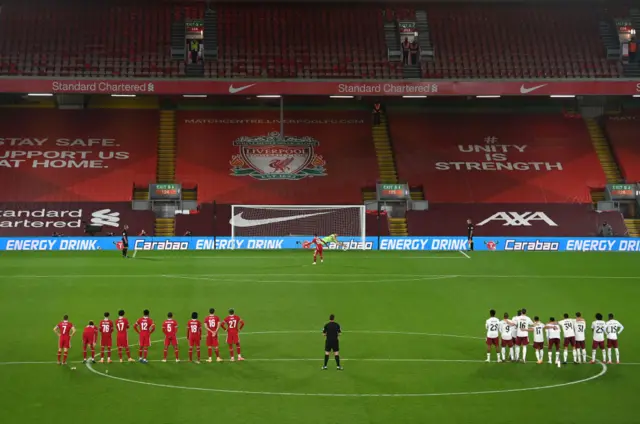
[
  {"x": 106, "y": 339},
  {"x": 319, "y": 246},
  {"x": 212, "y": 324},
  {"x": 144, "y": 327},
  {"x": 89, "y": 338},
  {"x": 170, "y": 330},
  {"x": 194, "y": 335},
  {"x": 233, "y": 324},
  {"x": 122, "y": 340},
  {"x": 65, "y": 330}
]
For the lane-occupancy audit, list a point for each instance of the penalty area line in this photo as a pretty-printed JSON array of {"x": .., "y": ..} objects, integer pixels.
[{"x": 464, "y": 254}]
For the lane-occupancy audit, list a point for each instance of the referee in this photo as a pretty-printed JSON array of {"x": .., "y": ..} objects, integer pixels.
[
  {"x": 470, "y": 229},
  {"x": 331, "y": 333},
  {"x": 125, "y": 241}
]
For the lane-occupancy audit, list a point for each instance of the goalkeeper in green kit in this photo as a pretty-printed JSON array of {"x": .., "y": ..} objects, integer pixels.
[{"x": 320, "y": 242}]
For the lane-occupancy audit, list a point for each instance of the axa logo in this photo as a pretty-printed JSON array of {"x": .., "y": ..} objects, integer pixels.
[
  {"x": 517, "y": 219},
  {"x": 105, "y": 217}
]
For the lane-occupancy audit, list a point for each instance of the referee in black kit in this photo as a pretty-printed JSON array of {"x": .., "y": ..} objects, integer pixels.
[
  {"x": 470, "y": 229},
  {"x": 125, "y": 241},
  {"x": 331, "y": 333}
]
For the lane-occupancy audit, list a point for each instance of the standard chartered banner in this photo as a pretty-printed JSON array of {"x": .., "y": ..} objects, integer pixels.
[{"x": 527, "y": 244}]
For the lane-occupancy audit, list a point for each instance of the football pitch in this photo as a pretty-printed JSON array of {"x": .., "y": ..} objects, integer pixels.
[{"x": 412, "y": 347}]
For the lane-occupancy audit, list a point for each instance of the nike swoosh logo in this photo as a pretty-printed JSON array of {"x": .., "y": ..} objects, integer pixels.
[
  {"x": 525, "y": 90},
  {"x": 234, "y": 90},
  {"x": 239, "y": 221}
]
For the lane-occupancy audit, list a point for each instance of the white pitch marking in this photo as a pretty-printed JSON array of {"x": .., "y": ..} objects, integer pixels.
[
  {"x": 245, "y": 280},
  {"x": 238, "y": 275},
  {"x": 464, "y": 254}
]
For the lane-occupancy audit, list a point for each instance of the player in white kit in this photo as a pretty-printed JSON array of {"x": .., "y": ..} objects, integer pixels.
[
  {"x": 538, "y": 339},
  {"x": 493, "y": 334},
  {"x": 506, "y": 333},
  {"x": 514, "y": 334},
  {"x": 522, "y": 335},
  {"x": 553, "y": 336},
  {"x": 581, "y": 329},
  {"x": 613, "y": 328},
  {"x": 598, "y": 327},
  {"x": 568, "y": 328}
]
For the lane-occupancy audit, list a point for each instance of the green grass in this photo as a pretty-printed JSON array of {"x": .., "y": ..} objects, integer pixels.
[{"x": 391, "y": 305}]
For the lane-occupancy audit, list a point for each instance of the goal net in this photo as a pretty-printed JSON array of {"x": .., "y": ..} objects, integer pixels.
[{"x": 348, "y": 222}]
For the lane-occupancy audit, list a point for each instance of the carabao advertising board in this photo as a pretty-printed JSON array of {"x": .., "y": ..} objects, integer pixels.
[{"x": 521, "y": 244}]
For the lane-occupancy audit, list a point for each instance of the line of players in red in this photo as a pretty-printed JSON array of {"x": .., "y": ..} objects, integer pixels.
[{"x": 145, "y": 326}]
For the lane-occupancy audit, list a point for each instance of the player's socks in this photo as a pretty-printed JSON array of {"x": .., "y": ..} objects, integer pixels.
[
  {"x": 524, "y": 353},
  {"x": 190, "y": 354},
  {"x": 177, "y": 352},
  {"x": 504, "y": 351},
  {"x": 210, "y": 350},
  {"x": 109, "y": 353},
  {"x": 488, "y": 357},
  {"x": 164, "y": 354},
  {"x": 140, "y": 353},
  {"x": 558, "y": 356},
  {"x": 573, "y": 355},
  {"x": 84, "y": 353},
  {"x": 59, "y": 353},
  {"x": 198, "y": 354},
  {"x": 326, "y": 360},
  {"x": 238, "y": 349},
  {"x": 101, "y": 352},
  {"x": 217, "y": 353},
  {"x": 565, "y": 355},
  {"x": 338, "y": 360},
  {"x": 604, "y": 355},
  {"x": 609, "y": 355},
  {"x": 146, "y": 352},
  {"x": 584, "y": 355},
  {"x": 128, "y": 352},
  {"x": 550, "y": 357},
  {"x": 64, "y": 358},
  {"x": 231, "y": 351},
  {"x": 93, "y": 352},
  {"x": 617, "y": 355}
]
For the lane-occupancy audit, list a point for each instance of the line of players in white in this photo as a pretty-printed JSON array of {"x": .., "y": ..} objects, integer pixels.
[{"x": 514, "y": 334}]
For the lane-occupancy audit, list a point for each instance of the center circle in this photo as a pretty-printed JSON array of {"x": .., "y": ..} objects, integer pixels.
[{"x": 602, "y": 372}]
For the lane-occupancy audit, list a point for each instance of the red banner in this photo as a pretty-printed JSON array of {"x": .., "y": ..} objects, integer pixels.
[
  {"x": 49, "y": 155},
  {"x": 327, "y": 88}
]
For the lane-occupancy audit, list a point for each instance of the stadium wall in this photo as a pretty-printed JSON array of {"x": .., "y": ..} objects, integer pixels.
[{"x": 546, "y": 244}]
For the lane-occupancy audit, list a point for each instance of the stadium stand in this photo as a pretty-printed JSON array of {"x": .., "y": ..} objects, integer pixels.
[
  {"x": 517, "y": 40},
  {"x": 235, "y": 157},
  {"x": 506, "y": 158},
  {"x": 51, "y": 155},
  {"x": 302, "y": 41},
  {"x": 622, "y": 132}
]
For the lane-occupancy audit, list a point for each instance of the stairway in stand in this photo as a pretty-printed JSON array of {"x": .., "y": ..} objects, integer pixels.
[
  {"x": 633, "y": 226},
  {"x": 386, "y": 170},
  {"x": 166, "y": 167},
  {"x": 603, "y": 150}
]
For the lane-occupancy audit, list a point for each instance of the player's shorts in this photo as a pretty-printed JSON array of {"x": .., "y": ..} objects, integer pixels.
[
  {"x": 106, "y": 342},
  {"x": 122, "y": 341},
  {"x": 538, "y": 345},
  {"x": 212, "y": 341},
  {"x": 569, "y": 341},
  {"x": 507, "y": 343},
  {"x": 145, "y": 339},
  {"x": 493, "y": 341},
  {"x": 612, "y": 343},
  {"x": 88, "y": 340},
  {"x": 597, "y": 345},
  {"x": 170, "y": 341},
  {"x": 554, "y": 342},
  {"x": 319, "y": 248},
  {"x": 580, "y": 344},
  {"x": 64, "y": 342},
  {"x": 233, "y": 338},
  {"x": 331, "y": 346},
  {"x": 522, "y": 341},
  {"x": 194, "y": 341}
]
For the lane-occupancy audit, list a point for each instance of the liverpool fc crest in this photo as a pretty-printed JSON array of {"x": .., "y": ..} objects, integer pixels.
[{"x": 272, "y": 157}]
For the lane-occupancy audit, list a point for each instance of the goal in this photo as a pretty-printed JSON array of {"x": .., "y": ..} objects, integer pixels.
[{"x": 298, "y": 220}]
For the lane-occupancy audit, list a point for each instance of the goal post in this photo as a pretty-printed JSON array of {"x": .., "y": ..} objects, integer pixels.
[{"x": 347, "y": 221}]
